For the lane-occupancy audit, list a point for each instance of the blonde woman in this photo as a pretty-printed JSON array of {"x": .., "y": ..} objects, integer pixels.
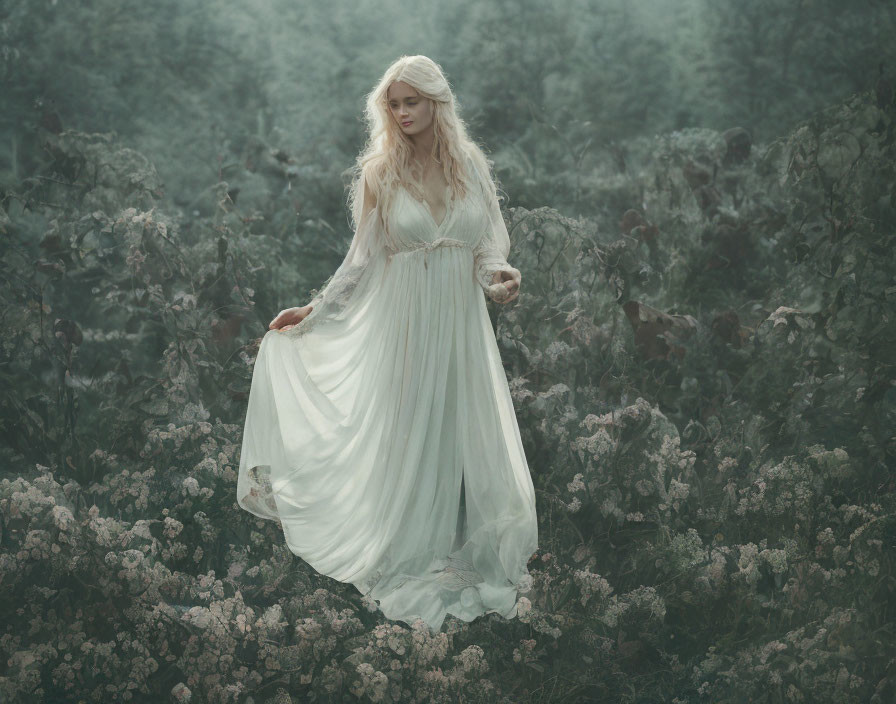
[{"x": 380, "y": 429}]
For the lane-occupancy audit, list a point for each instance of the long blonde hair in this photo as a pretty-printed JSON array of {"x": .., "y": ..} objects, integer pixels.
[{"x": 386, "y": 158}]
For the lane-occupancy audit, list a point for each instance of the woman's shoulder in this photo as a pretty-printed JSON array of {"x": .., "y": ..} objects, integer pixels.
[
  {"x": 477, "y": 169},
  {"x": 473, "y": 160},
  {"x": 369, "y": 192},
  {"x": 374, "y": 182}
]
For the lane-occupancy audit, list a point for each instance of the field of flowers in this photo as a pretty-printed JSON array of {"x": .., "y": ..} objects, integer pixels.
[{"x": 704, "y": 371}]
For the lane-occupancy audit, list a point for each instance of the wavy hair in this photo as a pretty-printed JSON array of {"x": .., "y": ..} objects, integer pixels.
[{"x": 386, "y": 158}]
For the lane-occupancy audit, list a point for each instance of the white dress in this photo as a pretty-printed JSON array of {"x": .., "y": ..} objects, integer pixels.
[{"x": 364, "y": 420}]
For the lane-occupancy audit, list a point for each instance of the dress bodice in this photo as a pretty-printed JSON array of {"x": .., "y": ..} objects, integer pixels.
[{"x": 410, "y": 224}]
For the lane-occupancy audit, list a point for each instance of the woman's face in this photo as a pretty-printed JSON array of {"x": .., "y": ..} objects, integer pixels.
[{"x": 411, "y": 111}]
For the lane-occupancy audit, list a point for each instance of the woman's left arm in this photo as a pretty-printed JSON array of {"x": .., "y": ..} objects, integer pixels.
[{"x": 499, "y": 280}]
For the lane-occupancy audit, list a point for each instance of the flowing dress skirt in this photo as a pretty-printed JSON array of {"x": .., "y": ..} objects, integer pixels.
[{"x": 385, "y": 442}]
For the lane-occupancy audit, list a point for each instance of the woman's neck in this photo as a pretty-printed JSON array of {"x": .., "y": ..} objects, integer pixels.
[{"x": 423, "y": 146}]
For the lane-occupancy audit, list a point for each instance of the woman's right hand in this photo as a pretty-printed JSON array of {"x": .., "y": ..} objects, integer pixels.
[{"x": 289, "y": 318}]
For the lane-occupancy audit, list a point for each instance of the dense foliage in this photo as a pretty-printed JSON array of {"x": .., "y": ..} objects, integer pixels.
[{"x": 706, "y": 392}]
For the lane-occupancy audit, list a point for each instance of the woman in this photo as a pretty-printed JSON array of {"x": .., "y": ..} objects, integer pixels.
[{"x": 380, "y": 429}]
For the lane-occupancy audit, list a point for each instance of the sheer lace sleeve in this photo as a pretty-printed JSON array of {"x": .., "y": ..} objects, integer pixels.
[
  {"x": 367, "y": 243},
  {"x": 490, "y": 254}
]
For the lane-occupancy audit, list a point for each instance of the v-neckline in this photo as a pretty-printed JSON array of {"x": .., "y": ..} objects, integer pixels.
[{"x": 425, "y": 205}]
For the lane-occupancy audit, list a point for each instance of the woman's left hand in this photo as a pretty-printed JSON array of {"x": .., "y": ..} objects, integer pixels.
[{"x": 505, "y": 285}]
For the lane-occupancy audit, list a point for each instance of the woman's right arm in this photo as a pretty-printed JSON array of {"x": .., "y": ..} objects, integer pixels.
[{"x": 290, "y": 317}]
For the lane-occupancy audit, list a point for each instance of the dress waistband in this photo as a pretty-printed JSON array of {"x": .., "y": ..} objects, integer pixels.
[
  {"x": 440, "y": 242},
  {"x": 427, "y": 247}
]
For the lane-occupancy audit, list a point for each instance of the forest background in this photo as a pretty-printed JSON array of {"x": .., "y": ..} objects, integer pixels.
[{"x": 701, "y": 201}]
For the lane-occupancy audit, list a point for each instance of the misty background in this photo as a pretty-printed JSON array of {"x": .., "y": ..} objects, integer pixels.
[
  {"x": 701, "y": 202},
  {"x": 556, "y": 89}
]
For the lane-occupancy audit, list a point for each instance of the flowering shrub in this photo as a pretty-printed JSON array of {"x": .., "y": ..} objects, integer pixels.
[{"x": 713, "y": 490}]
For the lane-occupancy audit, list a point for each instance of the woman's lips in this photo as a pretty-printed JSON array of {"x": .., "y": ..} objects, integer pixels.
[{"x": 405, "y": 124}]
